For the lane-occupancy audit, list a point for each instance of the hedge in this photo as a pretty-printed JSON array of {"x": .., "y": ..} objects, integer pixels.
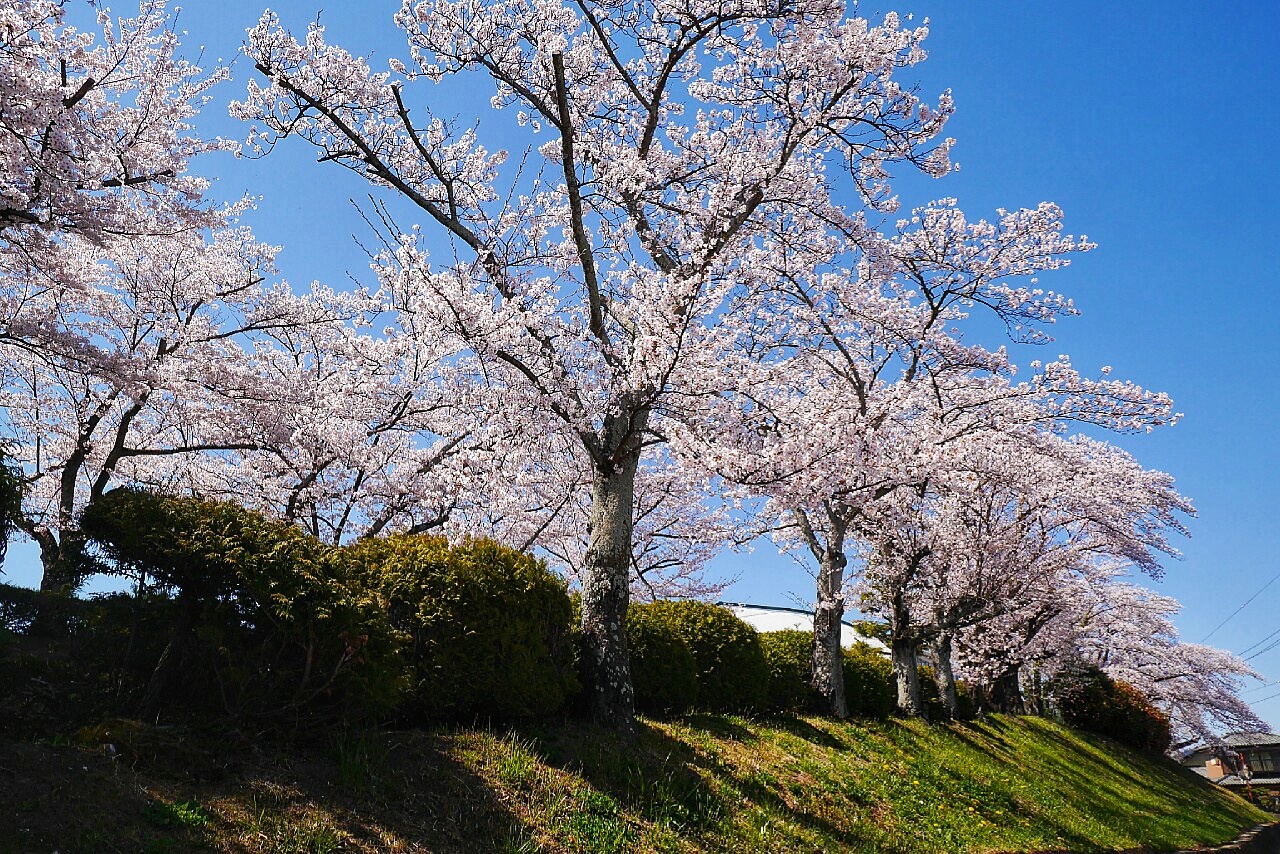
[
  {"x": 733, "y": 675},
  {"x": 789, "y": 655},
  {"x": 1091, "y": 700},
  {"x": 663, "y": 671},
  {"x": 262, "y": 622},
  {"x": 486, "y": 630},
  {"x": 869, "y": 686}
]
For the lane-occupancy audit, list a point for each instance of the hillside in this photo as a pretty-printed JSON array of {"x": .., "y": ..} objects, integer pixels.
[{"x": 705, "y": 783}]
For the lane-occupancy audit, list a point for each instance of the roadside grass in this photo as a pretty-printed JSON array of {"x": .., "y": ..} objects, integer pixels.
[{"x": 702, "y": 783}]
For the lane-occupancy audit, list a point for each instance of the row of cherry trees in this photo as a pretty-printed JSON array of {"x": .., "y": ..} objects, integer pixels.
[{"x": 684, "y": 316}]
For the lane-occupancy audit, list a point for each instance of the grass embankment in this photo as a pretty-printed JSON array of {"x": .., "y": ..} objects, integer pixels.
[{"x": 701, "y": 784}]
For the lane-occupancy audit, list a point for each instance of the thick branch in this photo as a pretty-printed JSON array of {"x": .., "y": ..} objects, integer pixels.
[{"x": 580, "y": 238}]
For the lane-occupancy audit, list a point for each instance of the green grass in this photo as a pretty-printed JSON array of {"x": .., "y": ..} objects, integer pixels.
[{"x": 703, "y": 783}]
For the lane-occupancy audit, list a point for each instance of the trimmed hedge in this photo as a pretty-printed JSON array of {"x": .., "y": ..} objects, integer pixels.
[
  {"x": 262, "y": 622},
  {"x": 663, "y": 671},
  {"x": 789, "y": 655},
  {"x": 733, "y": 675},
  {"x": 243, "y": 617},
  {"x": 869, "y": 684},
  {"x": 485, "y": 630}
]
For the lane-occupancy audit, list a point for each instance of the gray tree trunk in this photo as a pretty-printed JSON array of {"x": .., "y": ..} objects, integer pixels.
[
  {"x": 945, "y": 675},
  {"x": 60, "y": 561},
  {"x": 906, "y": 669},
  {"x": 605, "y": 590},
  {"x": 906, "y": 660},
  {"x": 828, "y": 653},
  {"x": 826, "y": 674},
  {"x": 1006, "y": 693}
]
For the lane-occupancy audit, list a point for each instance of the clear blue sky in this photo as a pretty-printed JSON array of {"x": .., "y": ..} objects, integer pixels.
[{"x": 1153, "y": 124}]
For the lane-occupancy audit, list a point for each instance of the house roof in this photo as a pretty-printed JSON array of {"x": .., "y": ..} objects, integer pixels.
[
  {"x": 1251, "y": 739},
  {"x": 1233, "y": 780}
]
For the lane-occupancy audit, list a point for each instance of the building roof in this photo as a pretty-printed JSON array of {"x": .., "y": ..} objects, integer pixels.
[
  {"x": 1251, "y": 739},
  {"x": 773, "y": 618}
]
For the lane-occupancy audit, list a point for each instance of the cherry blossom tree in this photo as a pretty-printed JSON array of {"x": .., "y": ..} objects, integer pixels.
[
  {"x": 120, "y": 373},
  {"x": 1015, "y": 515},
  {"x": 95, "y": 198},
  {"x": 1126, "y": 631},
  {"x": 373, "y": 431},
  {"x": 684, "y": 144},
  {"x": 95, "y": 132}
]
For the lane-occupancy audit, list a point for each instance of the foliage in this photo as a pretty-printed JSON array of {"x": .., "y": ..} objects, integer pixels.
[
  {"x": 875, "y": 630},
  {"x": 790, "y": 658},
  {"x": 663, "y": 671},
  {"x": 264, "y": 621},
  {"x": 1093, "y": 701},
  {"x": 733, "y": 675},
  {"x": 486, "y": 630},
  {"x": 868, "y": 682},
  {"x": 11, "y": 488}
]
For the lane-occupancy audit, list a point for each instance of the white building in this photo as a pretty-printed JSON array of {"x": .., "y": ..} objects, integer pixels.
[{"x": 768, "y": 618}]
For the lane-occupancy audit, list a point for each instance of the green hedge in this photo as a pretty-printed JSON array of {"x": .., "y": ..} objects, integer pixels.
[
  {"x": 733, "y": 675},
  {"x": 486, "y": 630},
  {"x": 262, "y": 622},
  {"x": 869, "y": 685},
  {"x": 789, "y": 655},
  {"x": 401, "y": 627},
  {"x": 663, "y": 671}
]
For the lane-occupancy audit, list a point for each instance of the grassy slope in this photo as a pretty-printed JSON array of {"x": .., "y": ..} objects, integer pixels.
[{"x": 701, "y": 784}]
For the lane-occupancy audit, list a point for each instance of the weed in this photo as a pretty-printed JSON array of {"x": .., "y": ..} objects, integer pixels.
[
  {"x": 596, "y": 825},
  {"x": 188, "y": 814},
  {"x": 362, "y": 759}
]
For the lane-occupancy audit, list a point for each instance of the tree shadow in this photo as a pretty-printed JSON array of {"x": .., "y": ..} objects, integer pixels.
[
  {"x": 686, "y": 788},
  {"x": 383, "y": 791}
]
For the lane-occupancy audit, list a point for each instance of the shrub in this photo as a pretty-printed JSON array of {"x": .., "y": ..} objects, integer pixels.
[
  {"x": 11, "y": 487},
  {"x": 663, "y": 672},
  {"x": 1092, "y": 701},
  {"x": 732, "y": 673},
  {"x": 262, "y": 623},
  {"x": 868, "y": 682},
  {"x": 789, "y": 655},
  {"x": 486, "y": 630}
]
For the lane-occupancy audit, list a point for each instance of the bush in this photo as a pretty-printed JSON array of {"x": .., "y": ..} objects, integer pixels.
[
  {"x": 789, "y": 655},
  {"x": 11, "y": 487},
  {"x": 663, "y": 672},
  {"x": 732, "y": 673},
  {"x": 1092, "y": 701},
  {"x": 869, "y": 685},
  {"x": 486, "y": 630},
  {"x": 258, "y": 620}
]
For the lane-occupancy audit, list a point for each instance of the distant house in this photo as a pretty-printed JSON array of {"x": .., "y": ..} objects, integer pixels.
[
  {"x": 1249, "y": 759},
  {"x": 770, "y": 618}
]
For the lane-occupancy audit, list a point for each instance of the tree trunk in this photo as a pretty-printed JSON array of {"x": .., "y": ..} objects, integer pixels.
[
  {"x": 906, "y": 663},
  {"x": 828, "y": 655},
  {"x": 944, "y": 674},
  {"x": 60, "y": 562},
  {"x": 153, "y": 699},
  {"x": 605, "y": 594},
  {"x": 906, "y": 668},
  {"x": 1006, "y": 693}
]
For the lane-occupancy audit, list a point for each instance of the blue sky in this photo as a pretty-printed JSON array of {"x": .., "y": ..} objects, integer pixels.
[{"x": 1151, "y": 123}]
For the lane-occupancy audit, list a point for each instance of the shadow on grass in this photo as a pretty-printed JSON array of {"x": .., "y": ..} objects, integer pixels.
[
  {"x": 695, "y": 788},
  {"x": 377, "y": 790}
]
